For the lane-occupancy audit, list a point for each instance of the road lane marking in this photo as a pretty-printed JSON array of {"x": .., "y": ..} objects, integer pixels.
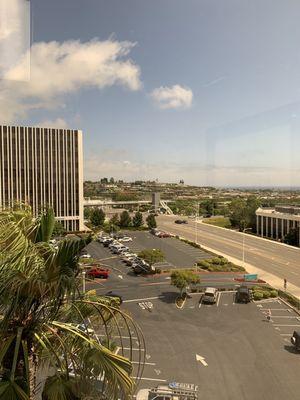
[{"x": 202, "y": 360}]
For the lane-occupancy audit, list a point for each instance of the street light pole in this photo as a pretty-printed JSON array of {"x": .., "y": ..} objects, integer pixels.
[
  {"x": 244, "y": 232},
  {"x": 83, "y": 281},
  {"x": 196, "y": 222}
]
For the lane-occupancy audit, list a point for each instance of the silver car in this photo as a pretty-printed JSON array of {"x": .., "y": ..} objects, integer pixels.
[{"x": 210, "y": 295}]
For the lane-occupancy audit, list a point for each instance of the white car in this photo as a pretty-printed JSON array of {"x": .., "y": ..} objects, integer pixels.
[
  {"x": 86, "y": 256},
  {"x": 126, "y": 239}
]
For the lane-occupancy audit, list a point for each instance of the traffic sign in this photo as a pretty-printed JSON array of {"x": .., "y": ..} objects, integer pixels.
[{"x": 250, "y": 277}]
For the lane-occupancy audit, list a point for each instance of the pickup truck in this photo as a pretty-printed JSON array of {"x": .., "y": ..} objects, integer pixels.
[{"x": 97, "y": 272}]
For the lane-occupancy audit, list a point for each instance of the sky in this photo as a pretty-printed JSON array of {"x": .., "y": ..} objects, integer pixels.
[{"x": 207, "y": 91}]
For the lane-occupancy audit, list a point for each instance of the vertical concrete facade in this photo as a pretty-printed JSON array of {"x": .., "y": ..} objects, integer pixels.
[
  {"x": 276, "y": 223},
  {"x": 43, "y": 167}
]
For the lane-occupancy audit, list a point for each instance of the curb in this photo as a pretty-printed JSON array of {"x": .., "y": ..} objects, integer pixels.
[
  {"x": 289, "y": 305},
  {"x": 180, "y": 308}
]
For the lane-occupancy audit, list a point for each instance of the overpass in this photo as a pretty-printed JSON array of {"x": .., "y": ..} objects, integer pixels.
[{"x": 109, "y": 203}]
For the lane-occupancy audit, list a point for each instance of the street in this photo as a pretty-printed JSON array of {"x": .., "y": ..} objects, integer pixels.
[{"x": 272, "y": 257}]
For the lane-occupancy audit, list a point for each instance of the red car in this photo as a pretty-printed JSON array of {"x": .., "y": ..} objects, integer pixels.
[
  {"x": 163, "y": 235},
  {"x": 98, "y": 273}
]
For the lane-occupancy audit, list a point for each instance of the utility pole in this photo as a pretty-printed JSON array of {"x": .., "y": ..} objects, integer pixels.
[{"x": 83, "y": 281}]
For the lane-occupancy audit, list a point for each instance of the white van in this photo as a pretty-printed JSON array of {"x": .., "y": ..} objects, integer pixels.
[{"x": 210, "y": 295}]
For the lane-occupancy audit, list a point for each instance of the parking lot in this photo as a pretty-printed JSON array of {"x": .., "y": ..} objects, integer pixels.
[
  {"x": 177, "y": 253},
  {"x": 229, "y": 350}
]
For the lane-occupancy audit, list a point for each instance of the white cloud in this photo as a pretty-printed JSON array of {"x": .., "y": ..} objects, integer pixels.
[
  {"x": 56, "y": 123},
  {"x": 172, "y": 97},
  {"x": 14, "y": 34},
  {"x": 58, "y": 69}
]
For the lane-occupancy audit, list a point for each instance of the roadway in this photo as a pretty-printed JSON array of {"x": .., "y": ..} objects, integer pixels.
[{"x": 269, "y": 256}]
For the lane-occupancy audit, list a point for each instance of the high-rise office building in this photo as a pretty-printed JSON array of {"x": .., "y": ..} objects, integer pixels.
[{"x": 43, "y": 167}]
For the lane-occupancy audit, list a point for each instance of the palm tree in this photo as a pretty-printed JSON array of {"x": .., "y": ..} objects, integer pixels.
[{"x": 55, "y": 342}]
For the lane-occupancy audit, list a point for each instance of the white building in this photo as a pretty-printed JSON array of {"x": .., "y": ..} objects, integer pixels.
[
  {"x": 277, "y": 222},
  {"x": 43, "y": 167}
]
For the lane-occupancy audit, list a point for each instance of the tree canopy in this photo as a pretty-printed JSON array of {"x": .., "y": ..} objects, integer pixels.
[
  {"x": 152, "y": 256},
  {"x": 46, "y": 322},
  {"x": 151, "y": 221},
  {"x": 183, "y": 278},
  {"x": 137, "y": 220}
]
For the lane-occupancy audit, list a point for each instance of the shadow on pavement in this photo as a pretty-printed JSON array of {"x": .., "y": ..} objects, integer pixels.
[
  {"x": 168, "y": 297},
  {"x": 291, "y": 349}
]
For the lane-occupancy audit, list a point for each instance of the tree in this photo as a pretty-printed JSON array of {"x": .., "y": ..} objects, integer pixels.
[
  {"x": 137, "y": 220},
  {"x": 125, "y": 219},
  {"x": 87, "y": 212},
  {"x": 183, "y": 278},
  {"x": 151, "y": 221},
  {"x": 58, "y": 229},
  {"x": 112, "y": 181},
  {"x": 104, "y": 181},
  {"x": 46, "y": 321},
  {"x": 152, "y": 256},
  {"x": 292, "y": 238},
  {"x": 243, "y": 213},
  {"x": 97, "y": 217}
]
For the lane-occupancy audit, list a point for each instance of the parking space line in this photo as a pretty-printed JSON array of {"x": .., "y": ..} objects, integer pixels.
[
  {"x": 133, "y": 349},
  {"x": 276, "y": 309},
  {"x": 123, "y": 337},
  {"x": 145, "y": 363},
  {"x": 285, "y": 334},
  {"x": 286, "y": 325},
  {"x": 284, "y": 316},
  {"x": 218, "y": 300},
  {"x": 150, "y": 379},
  {"x": 136, "y": 300}
]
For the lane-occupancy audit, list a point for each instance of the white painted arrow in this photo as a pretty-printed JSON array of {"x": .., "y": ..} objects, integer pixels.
[{"x": 201, "y": 359}]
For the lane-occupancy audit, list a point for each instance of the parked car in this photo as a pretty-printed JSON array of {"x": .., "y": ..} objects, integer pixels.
[
  {"x": 114, "y": 296},
  {"x": 295, "y": 339},
  {"x": 107, "y": 242},
  {"x": 86, "y": 256},
  {"x": 180, "y": 221},
  {"x": 101, "y": 239},
  {"x": 97, "y": 272},
  {"x": 210, "y": 295},
  {"x": 164, "y": 235},
  {"x": 126, "y": 239},
  {"x": 243, "y": 295},
  {"x": 85, "y": 329}
]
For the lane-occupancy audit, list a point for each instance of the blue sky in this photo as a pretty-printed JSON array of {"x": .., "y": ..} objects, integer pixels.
[{"x": 201, "y": 90}]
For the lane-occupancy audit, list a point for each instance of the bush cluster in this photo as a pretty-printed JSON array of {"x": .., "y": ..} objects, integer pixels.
[
  {"x": 219, "y": 264},
  {"x": 263, "y": 292}
]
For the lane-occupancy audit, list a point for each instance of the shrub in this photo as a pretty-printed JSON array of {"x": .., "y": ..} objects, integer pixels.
[
  {"x": 258, "y": 295},
  {"x": 273, "y": 293}
]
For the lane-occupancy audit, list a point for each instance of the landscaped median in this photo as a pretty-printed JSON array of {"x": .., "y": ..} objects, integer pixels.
[
  {"x": 264, "y": 292},
  {"x": 219, "y": 264}
]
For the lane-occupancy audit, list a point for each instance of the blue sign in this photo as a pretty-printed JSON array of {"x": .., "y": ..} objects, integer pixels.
[{"x": 250, "y": 277}]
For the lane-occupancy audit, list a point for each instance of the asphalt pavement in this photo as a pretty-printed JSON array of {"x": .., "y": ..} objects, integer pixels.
[
  {"x": 229, "y": 350},
  {"x": 275, "y": 258}
]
